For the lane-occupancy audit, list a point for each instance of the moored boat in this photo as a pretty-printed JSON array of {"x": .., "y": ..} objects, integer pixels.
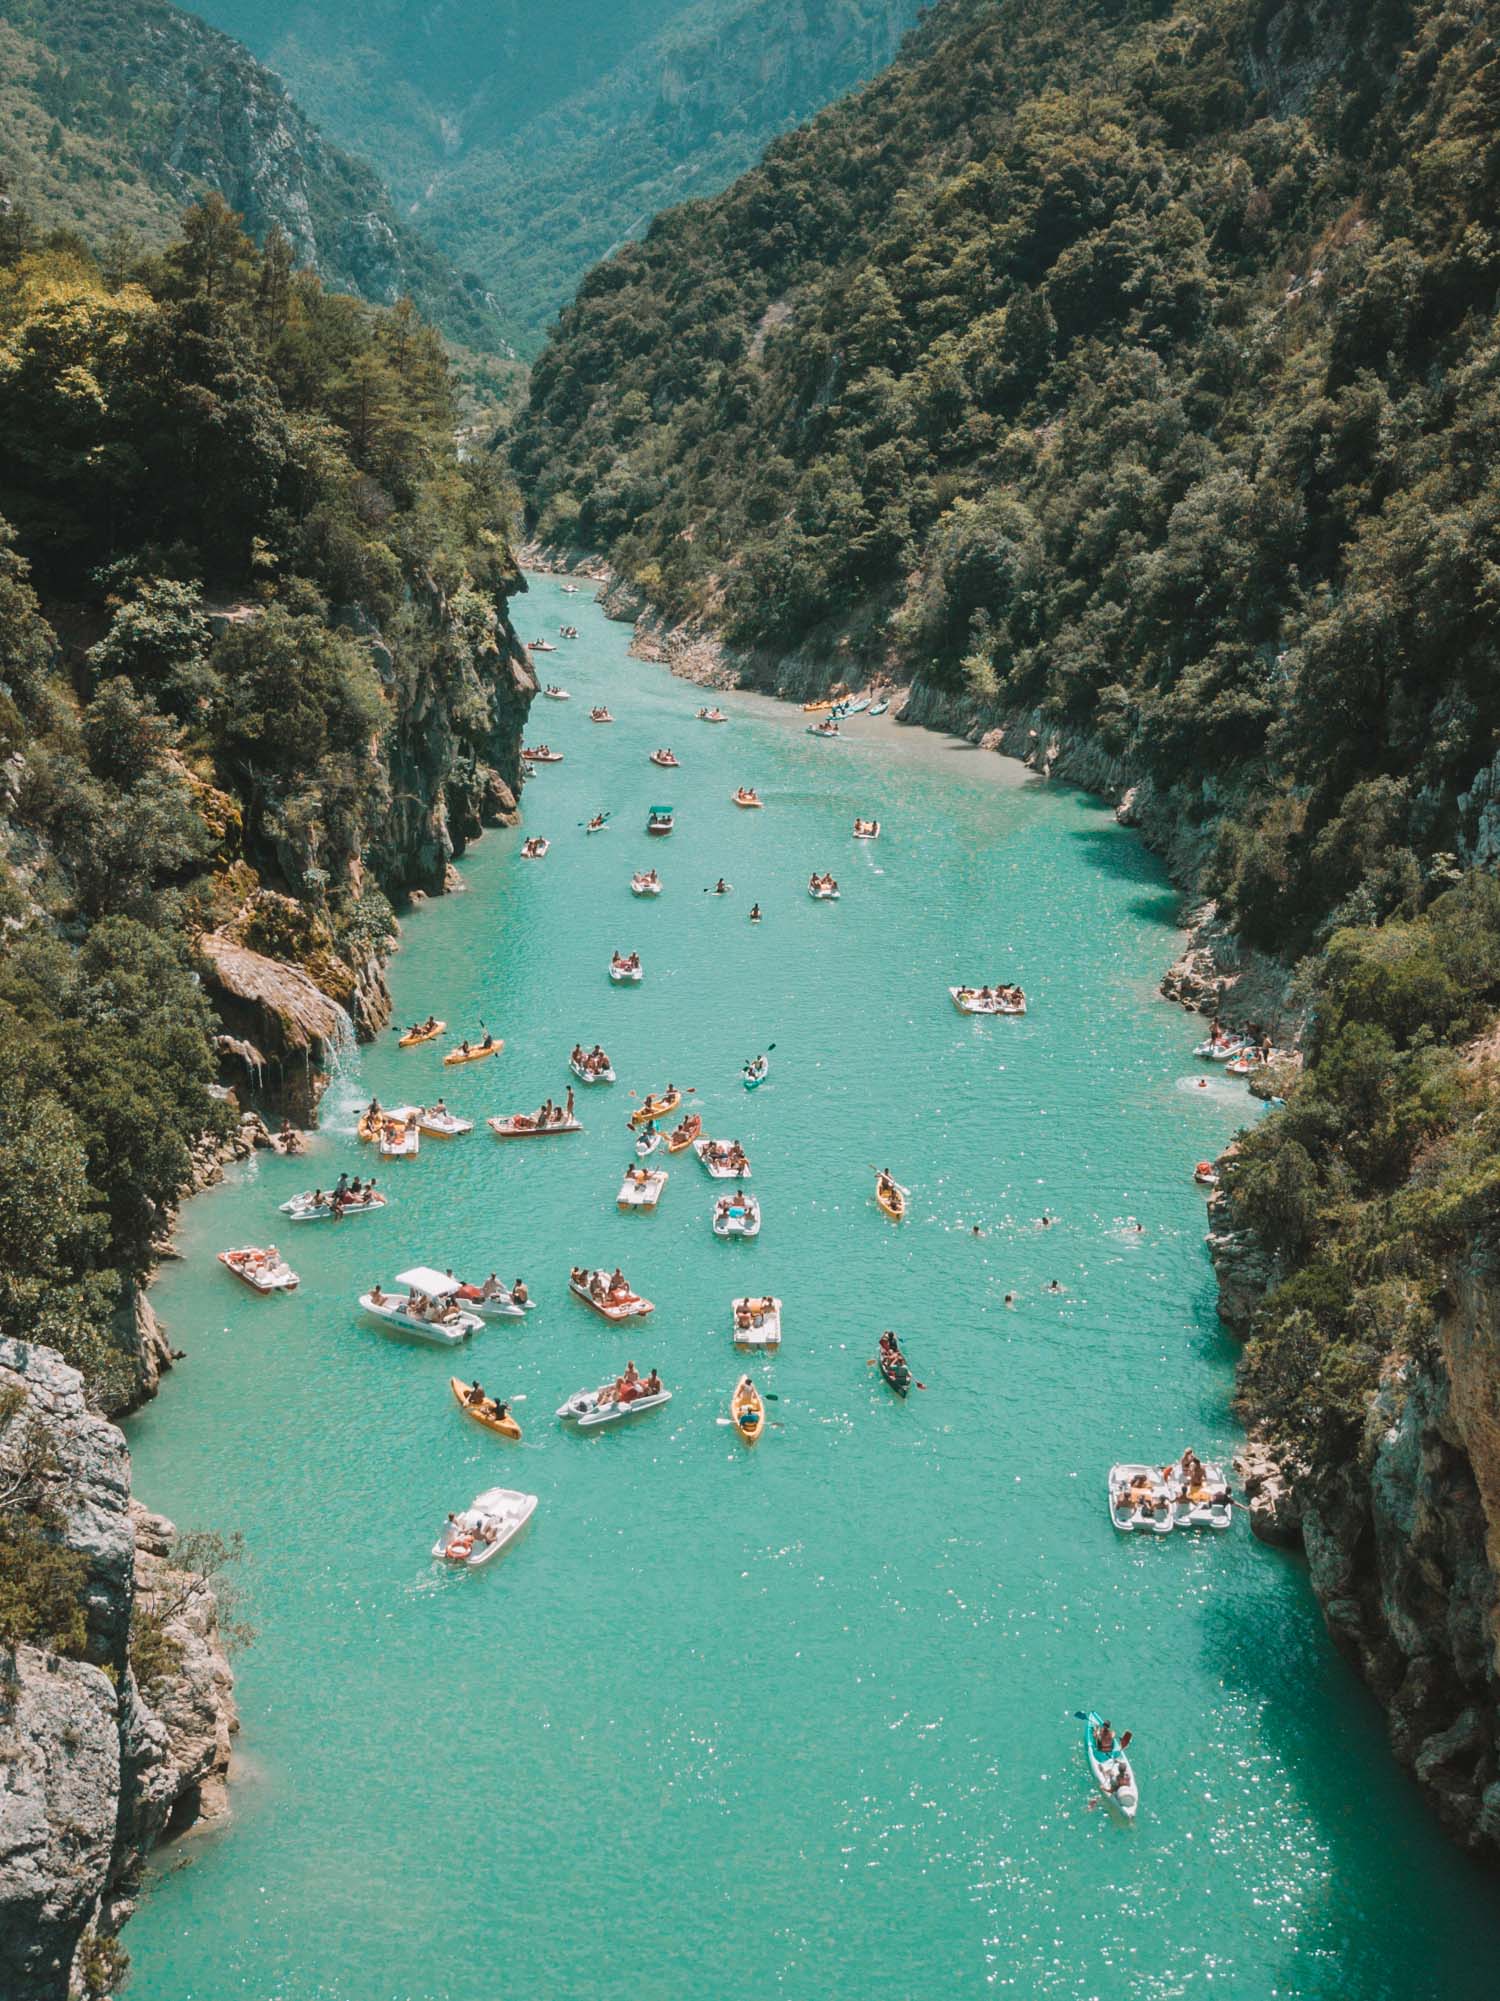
[
  {"x": 756, "y": 1322},
  {"x": 879, "y": 708},
  {"x": 602, "y": 1291},
  {"x": 1221, "y": 1048},
  {"x": 484, "y": 1410},
  {"x": 747, "y": 1410},
  {"x": 475, "y": 1052},
  {"x": 428, "y": 1031},
  {"x": 1113, "y": 1773},
  {"x": 427, "y": 1308},
  {"x": 263, "y": 1270},
  {"x": 1139, "y": 1501},
  {"x": 1200, "y": 1496},
  {"x": 725, "y": 1159},
  {"x": 733, "y": 1218},
  {"x": 641, "y": 1188},
  {"x": 1206, "y": 1174},
  {"x": 492, "y": 1520}
]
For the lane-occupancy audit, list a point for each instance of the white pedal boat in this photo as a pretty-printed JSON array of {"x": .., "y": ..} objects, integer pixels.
[
  {"x": 1220, "y": 1050},
  {"x": 1114, "y": 1775},
  {"x": 731, "y": 1220},
  {"x": 491, "y": 1520},
  {"x": 1152, "y": 1513},
  {"x": 704, "y": 1148},
  {"x": 262, "y": 1270},
  {"x": 967, "y": 1001},
  {"x": 821, "y": 893},
  {"x": 304, "y": 1209},
  {"x": 764, "y": 1326},
  {"x": 642, "y": 885},
  {"x": 400, "y": 1136},
  {"x": 631, "y": 1307},
  {"x": 585, "y": 1410},
  {"x": 444, "y": 1124},
  {"x": 522, "y": 1125},
  {"x": 444, "y": 1323},
  {"x": 623, "y": 975},
  {"x": 870, "y": 833},
  {"x": 555, "y": 694},
  {"x": 501, "y": 1305},
  {"x": 533, "y": 851},
  {"x": 604, "y": 1076},
  {"x": 1213, "y": 1508},
  {"x": 641, "y": 1188}
]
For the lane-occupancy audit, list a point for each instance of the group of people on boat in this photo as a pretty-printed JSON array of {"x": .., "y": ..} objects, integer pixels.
[
  {"x": 1188, "y": 1479},
  {"x": 542, "y": 753},
  {"x": 493, "y": 1289},
  {"x": 645, "y": 879},
  {"x": 823, "y": 885},
  {"x": 423, "y": 1030},
  {"x": 737, "y": 1204},
  {"x": 664, "y": 756},
  {"x": 625, "y": 962},
  {"x": 591, "y": 1062},
  {"x": 348, "y": 1192},
  {"x": 747, "y": 796},
  {"x": 487, "y": 1406},
  {"x": 547, "y": 1115},
  {"x": 997, "y": 996},
  {"x": 467, "y": 1048},
  {"x": 533, "y": 846},
  {"x": 552, "y": 689},
  {"x": 750, "y": 1313},
  {"x": 864, "y": 827},
  {"x": 418, "y": 1305},
  {"x": 1110, "y": 1751},
  {"x": 604, "y": 1288},
  {"x": 567, "y": 632},
  {"x": 712, "y": 716},
  {"x": 600, "y": 715},
  {"x": 726, "y": 1153},
  {"x": 629, "y": 1387}
]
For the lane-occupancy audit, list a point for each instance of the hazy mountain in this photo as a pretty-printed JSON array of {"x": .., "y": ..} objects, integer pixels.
[{"x": 529, "y": 149}]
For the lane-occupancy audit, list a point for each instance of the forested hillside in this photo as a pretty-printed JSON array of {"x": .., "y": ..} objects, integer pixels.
[
  {"x": 257, "y": 672},
  {"x": 529, "y": 143},
  {"x": 114, "y": 114},
  {"x": 1130, "y": 371}
]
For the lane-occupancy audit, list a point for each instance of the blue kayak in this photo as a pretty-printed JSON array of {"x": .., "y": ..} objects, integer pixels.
[
  {"x": 754, "y": 1074},
  {"x": 1114, "y": 1774}
]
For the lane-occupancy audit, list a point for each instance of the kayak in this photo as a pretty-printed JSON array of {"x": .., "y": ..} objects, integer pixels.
[
  {"x": 503, "y": 1427},
  {"x": 475, "y": 1053},
  {"x": 897, "y": 1374},
  {"x": 748, "y": 1410},
  {"x": 879, "y": 708},
  {"x": 892, "y": 1198},
  {"x": 755, "y": 1073},
  {"x": 686, "y": 1133},
  {"x": 415, "y": 1035},
  {"x": 656, "y": 1108},
  {"x": 1114, "y": 1775}
]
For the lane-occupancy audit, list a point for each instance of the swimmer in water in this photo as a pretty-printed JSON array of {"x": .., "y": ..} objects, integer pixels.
[{"x": 1010, "y": 1300}]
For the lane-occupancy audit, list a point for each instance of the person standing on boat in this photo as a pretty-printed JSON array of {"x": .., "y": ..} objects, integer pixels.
[{"x": 570, "y": 1101}]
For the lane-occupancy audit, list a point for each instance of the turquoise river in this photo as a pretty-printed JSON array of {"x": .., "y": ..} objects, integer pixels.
[{"x": 796, "y": 1721}]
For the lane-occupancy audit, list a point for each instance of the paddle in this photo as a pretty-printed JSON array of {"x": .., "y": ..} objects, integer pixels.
[{"x": 873, "y": 1362}]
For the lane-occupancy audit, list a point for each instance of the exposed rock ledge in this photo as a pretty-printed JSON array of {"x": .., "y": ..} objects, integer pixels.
[{"x": 91, "y": 1773}]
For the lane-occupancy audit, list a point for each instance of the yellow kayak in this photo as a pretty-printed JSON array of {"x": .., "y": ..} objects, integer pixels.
[
  {"x": 816, "y": 708},
  {"x": 748, "y": 1410},
  {"x": 475, "y": 1053},
  {"x": 656, "y": 1108},
  {"x": 685, "y": 1134},
  {"x": 505, "y": 1427},
  {"x": 892, "y": 1198},
  {"x": 415, "y": 1035}
]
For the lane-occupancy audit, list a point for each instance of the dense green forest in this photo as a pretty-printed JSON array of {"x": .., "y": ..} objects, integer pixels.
[
  {"x": 115, "y": 114},
  {"x": 1136, "y": 365},
  {"x": 216, "y": 478},
  {"x": 529, "y": 143}
]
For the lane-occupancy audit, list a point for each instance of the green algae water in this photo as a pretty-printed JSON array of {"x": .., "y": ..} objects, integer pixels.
[{"x": 793, "y": 1721}]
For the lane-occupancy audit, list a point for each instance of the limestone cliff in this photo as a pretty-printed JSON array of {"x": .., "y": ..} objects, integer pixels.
[{"x": 92, "y": 1772}]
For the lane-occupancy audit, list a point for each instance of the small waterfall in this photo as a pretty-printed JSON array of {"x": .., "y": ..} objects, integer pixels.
[{"x": 343, "y": 1100}]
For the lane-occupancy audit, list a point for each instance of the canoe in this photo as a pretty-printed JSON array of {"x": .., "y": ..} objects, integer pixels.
[
  {"x": 508, "y": 1128},
  {"x": 686, "y": 1133},
  {"x": 415, "y": 1035},
  {"x": 262, "y": 1274},
  {"x": 1114, "y": 1776},
  {"x": 892, "y": 1197},
  {"x": 632, "y": 1307},
  {"x": 493, "y": 1520},
  {"x": 855, "y": 707},
  {"x": 897, "y": 1374},
  {"x": 476, "y": 1052},
  {"x": 750, "y": 805},
  {"x": 764, "y": 1330},
  {"x": 879, "y": 708},
  {"x": 1130, "y": 1513},
  {"x": 755, "y": 1074},
  {"x": 817, "y": 708},
  {"x": 642, "y": 1194},
  {"x": 503, "y": 1427},
  {"x": 748, "y": 1410},
  {"x": 656, "y": 1108}
]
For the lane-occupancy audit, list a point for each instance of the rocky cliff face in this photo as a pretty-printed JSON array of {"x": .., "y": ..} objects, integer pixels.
[{"x": 91, "y": 1772}]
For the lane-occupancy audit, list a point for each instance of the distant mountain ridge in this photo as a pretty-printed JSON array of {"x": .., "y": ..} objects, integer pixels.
[
  {"x": 115, "y": 114},
  {"x": 529, "y": 155}
]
